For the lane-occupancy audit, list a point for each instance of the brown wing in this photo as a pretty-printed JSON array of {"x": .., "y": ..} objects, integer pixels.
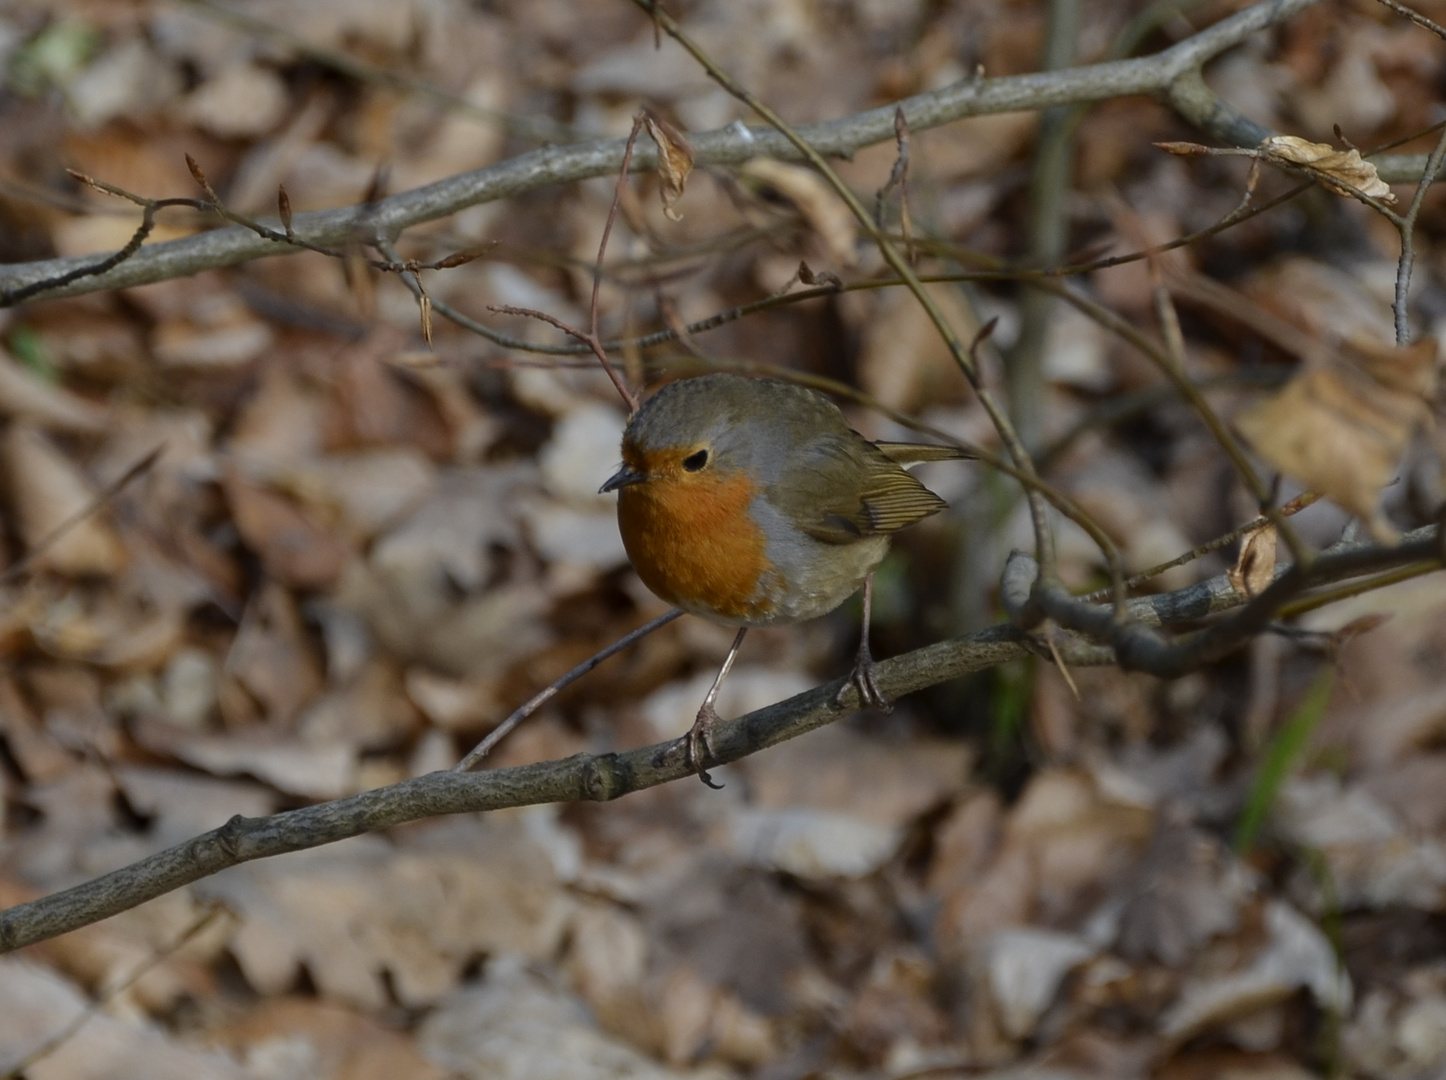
[
  {"x": 909, "y": 453},
  {"x": 842, "y": 488}
]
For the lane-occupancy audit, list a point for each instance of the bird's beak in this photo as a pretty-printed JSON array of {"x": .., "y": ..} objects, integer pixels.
[{"x": 622, "y": 478}]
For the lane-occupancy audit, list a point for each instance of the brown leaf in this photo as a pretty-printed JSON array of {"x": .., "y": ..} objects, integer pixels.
[
  {"x": 675, "y": 161},
  {"x": 38, "y": 1005},
  {"x": 374, "y": 923},
  {"x": 1183, "y": 149},
  {"x": 1254, "y": 568},
  {"x": 1343, "y": 171},
  {"x": 338, "y": 1042},
  {"x": 47, "y": 493},
  {"x": 296, "y": 551},
  {"x": 1340, "y": 428},
  {"x": 23, "y": 393}
]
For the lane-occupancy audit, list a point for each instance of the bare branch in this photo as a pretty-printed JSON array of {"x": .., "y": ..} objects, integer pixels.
[
  {"x": 1406, "y": 225},
  {"x": 604, "y": 777},
  {"x": 1162, "y": 74}
]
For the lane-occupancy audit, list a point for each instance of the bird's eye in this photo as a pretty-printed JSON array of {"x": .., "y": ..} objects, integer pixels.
[{"x": 694, "y": 462}]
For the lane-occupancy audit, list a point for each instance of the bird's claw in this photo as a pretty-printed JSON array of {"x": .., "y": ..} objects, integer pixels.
[
  {"x": 698, "y": 750},
  {"x": 864, "y": 680}
]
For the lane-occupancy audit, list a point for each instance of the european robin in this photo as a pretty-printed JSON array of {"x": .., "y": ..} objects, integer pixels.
[{"x": 751, "y": 502}]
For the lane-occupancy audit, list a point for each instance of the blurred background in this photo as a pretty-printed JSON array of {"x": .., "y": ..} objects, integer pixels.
[{"x": 356, "y": 552}]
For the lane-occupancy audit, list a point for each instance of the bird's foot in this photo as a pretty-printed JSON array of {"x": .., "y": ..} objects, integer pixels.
[
  {"x": 699, "y": 748},
  {"x": 864, "y": 680}
]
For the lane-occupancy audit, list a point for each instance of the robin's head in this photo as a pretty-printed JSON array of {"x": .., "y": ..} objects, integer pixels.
[
  {"x": 694, "y": 433},
  {"x": 695, "y": 459}
]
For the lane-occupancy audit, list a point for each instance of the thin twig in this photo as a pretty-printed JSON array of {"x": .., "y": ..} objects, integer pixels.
[
  {"x": 68, "y": 1032},
  {"x": 1415, "y": 16},
  {"x": 1174, "y": 369},
  {"x": 1051, "y": 175},
  {"x": 1406, "y": 225},
  {"x": 963, "y": 359},
  {"x": 22, "y": 565},
  {"x": 593, "y": 339},
  {"x": 501, "y": 731},
  {"x": 898, "y": 178},
  {"x": 1299, "y": 503},
  {"x": 611, "y": 775},
  {"x": 1156, "y": 74}
]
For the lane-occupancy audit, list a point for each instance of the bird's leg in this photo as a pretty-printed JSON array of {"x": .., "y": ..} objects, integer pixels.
[
  {"x": 700, "y": 736},
  {"x": 862, "y": 676}
]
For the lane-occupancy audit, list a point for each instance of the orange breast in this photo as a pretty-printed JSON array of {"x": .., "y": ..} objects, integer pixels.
[{"x": 695, "y": 545}]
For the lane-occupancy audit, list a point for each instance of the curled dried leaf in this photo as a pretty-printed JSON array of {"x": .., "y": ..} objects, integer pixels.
[
  {"x": 1254, "y": 568},
  {"x": 675, "y": 161},
  {"x": 808, "y": 276},
  {"x": 1343, "y": 171},
  {"x": 1183, "y": 149}
]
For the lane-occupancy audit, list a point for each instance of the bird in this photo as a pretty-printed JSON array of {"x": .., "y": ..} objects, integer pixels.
[{"x": 752, "y": 502}]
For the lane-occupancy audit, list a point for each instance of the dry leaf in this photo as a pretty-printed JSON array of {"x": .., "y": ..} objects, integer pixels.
[
  {"x": 1344, "y": 171},
  {"x": 287, "y": 764},
  {"x": 1297, "y": 956},
  {"x": 295, "y": 550},
  {"x": 118, "y": 628},
  {"x": 1254, "y": 568},
  {"x": 515, "y": 1025},
  {"x": 1340, "y": 429},
  {"x": 23, "y": 393},
  {"x": 291, "y": 1036},
  {"x": 902, "y": 359},
  {"x": 816, "y": 201},
  {"x": 47, "y": 492},
  {"x": 373, "y": 922},
  {"x": 1023, "y": 971},
  {"x": 36, "y": 1005},
  {"x": 675, "y": 162}
]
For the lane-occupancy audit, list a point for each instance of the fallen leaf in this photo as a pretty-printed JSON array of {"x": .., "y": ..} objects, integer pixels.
[
  {"x": 1186, "y": 890},
  {"x": 37, "y": 1005},
  {"x": 117, "y": 628},
  {"x": 25, "y": 394},
  {"x": 1024, "y": 969},
  {"x": 296, "y": 550},
  {"x": 1297, "y": 955},
  {"x": 880, "y": 780},
  {"x": 272, "y": 655},
  {"x": 1341, "y": 427},
  {"x": 515, "y": 1025},
  {"x": 288, "y": 764},
  {"x": 371, "y": 920},
  {"x": 812, "y": 844},
  {"x": 48, "y": 492},
  {"x": 240, "y": 101},
  {"x": 294, "y": 1036},
  {"x": 902, "y": 359}
]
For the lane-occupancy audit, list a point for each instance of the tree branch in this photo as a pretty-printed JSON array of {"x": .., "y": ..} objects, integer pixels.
[
  {"x": 603, "y": 777},
  {"x": 1150, "y": 75}
]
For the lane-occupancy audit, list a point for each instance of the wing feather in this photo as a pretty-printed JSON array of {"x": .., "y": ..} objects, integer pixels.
[{"x": 843, "y": 488}]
